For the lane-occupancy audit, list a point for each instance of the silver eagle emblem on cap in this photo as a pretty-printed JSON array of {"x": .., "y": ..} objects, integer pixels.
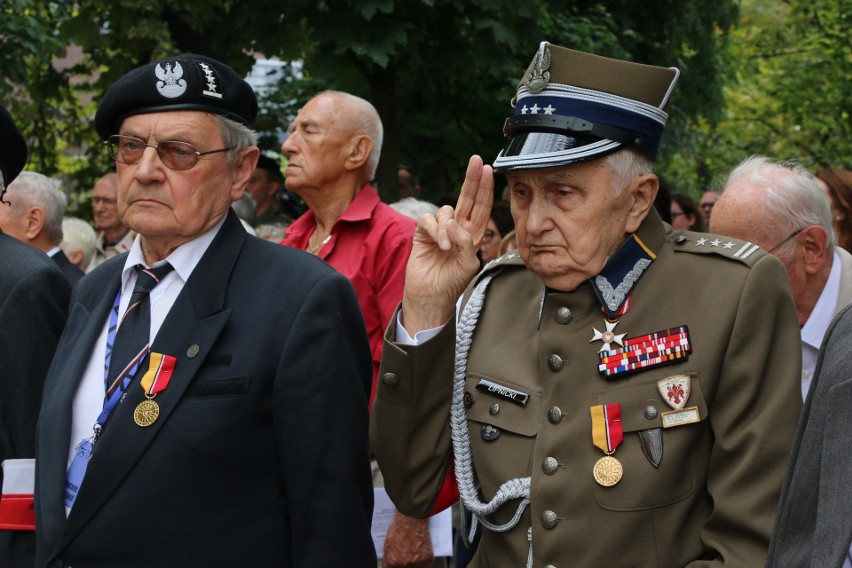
[
  {"x": 538, "y": 78},
  {"x": 170, "y": 84}
]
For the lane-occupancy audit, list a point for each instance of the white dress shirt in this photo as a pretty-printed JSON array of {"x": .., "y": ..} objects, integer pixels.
[
  {"x": 89, "y": 400},
  {"x": 814, "y": 329}
]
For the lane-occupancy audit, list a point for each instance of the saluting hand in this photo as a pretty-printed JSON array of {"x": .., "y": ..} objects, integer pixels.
[{"x": 443, "y": 259}]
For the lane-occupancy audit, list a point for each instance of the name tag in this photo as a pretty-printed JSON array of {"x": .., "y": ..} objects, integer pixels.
[
  {"x": 681, "y": 417},
  {"x": 506, "y": 393}
]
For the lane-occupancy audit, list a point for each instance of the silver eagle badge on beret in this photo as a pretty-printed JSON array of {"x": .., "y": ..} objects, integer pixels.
[
  {"x": 170, "y": 83},
  {"x": 539, "y": 76}
]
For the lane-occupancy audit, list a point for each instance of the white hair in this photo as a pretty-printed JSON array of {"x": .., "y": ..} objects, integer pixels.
[
  {"x": 626, "y": 164},
  {"x": 793, "y": 202},
  {"x": 414, "y": 208},
  {"x": 78, "y": 236},
  {"x": 235, "y": 136},
  {"x": 31, "y": 189}
]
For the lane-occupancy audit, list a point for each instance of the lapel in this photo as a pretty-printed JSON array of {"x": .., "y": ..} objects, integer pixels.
[
  {"x": 196, "y": 319},
  {"x": 82, "y": 330},
  {"x": 834, "y": 523}
]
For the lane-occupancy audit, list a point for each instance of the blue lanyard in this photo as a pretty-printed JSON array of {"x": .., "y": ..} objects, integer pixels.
[{"x": 115, "y": 391}]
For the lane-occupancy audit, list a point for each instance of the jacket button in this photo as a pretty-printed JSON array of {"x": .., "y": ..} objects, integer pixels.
[
  {"x": 680, "y": 239},
  {"x": 555, "y": 363},
  {"x": 493, "y": 409},
  {"x": 562, "y": 316},
  {"x": 554, "y": 415},
  {"x": 650, "y": 412},
  {"x": 549, "y": 465},
  {"x": 390, "y": 379},
  {"x": 549, "y": 520}
]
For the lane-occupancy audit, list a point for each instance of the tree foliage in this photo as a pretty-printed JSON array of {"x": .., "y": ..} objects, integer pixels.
[{"x": 441, "y": 72}]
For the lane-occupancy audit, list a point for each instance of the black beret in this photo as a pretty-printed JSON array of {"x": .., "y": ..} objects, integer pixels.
[
  {"x": 271, "y": 165},
  {"x": 13, "y": 148},
  {"x": 184, "y": 82}
]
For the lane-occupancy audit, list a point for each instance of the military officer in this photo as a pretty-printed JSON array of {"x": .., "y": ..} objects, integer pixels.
[{"x": 619, "y": 394}]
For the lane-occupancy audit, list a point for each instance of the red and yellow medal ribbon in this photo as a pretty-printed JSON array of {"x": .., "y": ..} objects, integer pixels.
[
  {"x": 159, "y": 373},
  {"x": 607, "y": 432}
]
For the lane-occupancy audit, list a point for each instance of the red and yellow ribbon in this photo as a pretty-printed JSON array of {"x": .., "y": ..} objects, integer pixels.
[{"x": 607, "y": 432}]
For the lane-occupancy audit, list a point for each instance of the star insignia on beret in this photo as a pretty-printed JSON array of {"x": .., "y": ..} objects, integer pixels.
[{"x": 608, "y": 337}]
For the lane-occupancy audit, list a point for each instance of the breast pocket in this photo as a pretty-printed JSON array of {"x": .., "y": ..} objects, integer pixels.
[
  {"x": 503, "y": 421},
  {"x": 656, "y": 430}
]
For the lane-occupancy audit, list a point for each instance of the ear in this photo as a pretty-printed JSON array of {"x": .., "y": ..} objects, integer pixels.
[
  {"x": 34, "y": 222},
  {"x": 813, "y": 240},
  {"x": 76, "y": 258},
  {"x": 643, "y": 190},
  {"x": 359, "y": 152},
  {"x": 243, "y": 167}
]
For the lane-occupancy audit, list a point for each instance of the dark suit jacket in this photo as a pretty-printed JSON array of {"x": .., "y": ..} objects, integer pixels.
[
  {"x": 260, "y": 454},
  {"x": 814, "y": 523},
  {"x": 71, "y": 272},
  {"x": 33, "y": 302}
]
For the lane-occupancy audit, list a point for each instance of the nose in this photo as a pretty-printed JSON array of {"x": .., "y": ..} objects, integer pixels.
[
  {"x": 150, "y": 166},
  {"x": 539, "y": 218},
  {"x": 289, "y": 146}
]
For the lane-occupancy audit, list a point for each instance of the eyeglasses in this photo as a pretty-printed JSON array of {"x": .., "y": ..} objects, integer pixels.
[
  {"x": 790, "y": 236},
  {"x": 175, "y": 155}
]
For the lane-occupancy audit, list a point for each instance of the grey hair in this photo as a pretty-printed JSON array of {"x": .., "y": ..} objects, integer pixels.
[
  {"x": 32, "y": 189},
  {"x": 77, "y": 235},
  {"x": 414, "y": 208},
  {"x": 793, "y": 202},
  {"x": 245, "y": 208},
  {"x": 626, "y": 164},
  {"x": 235, "y": 136},
  {"x": 365, "y": 120}
]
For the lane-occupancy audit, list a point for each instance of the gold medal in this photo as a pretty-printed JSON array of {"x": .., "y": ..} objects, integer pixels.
[
  {"x": 608, "y": 471},
  {"x": 147, "y": 412}
]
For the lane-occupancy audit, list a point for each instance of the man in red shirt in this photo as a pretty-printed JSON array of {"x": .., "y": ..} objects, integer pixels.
[{"x": 333, "y": 150}]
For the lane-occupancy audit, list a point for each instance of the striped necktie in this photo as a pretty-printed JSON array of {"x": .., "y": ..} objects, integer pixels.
[{"x": 131, "y": 339}]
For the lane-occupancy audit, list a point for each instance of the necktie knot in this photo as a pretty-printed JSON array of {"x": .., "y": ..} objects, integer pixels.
[{"x": 148, "y": 278}]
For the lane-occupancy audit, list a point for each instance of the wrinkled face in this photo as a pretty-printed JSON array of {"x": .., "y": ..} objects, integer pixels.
[
  {"x": 568, "y": 220},
  {"x": 104, "y": 204},
  {"x": 317, "y": 145},
  {"x": 170, "y": 205},
  {"x": 490, "y": 247}
]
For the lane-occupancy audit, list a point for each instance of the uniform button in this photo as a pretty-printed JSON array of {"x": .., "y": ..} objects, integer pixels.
[
  {"x": 554, "y": 415},
  {"x": 549, "y": 520},
  {"x": 562, "y": 316},
  {"x": 550, "y": 566},
  {"x": 390, "y": 379},
  {"x": 555, "y": 363},
  {"x": 192, "y": 351},
  {"x": 650, "y": 412},
  {"x": 549, "y": 465},
  {"x": 493, "y": 409},
  {"x": 680, "y": 239}
]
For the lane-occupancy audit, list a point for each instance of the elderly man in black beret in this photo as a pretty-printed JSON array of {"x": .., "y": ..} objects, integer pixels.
[
  {"x": 34, "y": 298},
  {"x": 193, "y": 416},
  {"x": 614, "y": 393}
]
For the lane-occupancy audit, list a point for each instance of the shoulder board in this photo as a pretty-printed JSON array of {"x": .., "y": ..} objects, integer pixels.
[{"x": 707, "y": 243}]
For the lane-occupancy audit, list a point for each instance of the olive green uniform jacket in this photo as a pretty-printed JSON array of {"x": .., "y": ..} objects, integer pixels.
[{"x": 712, "y": 499}]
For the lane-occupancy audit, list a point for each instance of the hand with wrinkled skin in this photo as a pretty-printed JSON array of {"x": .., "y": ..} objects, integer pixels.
[
  {"x": 443, "y": 260},
  {"x": 408, "y": 544}
]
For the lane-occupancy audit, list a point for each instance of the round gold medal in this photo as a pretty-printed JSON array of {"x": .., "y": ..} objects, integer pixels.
[
  {"x": 146, "y": 413},
  {"x": 608, "y": 471}
]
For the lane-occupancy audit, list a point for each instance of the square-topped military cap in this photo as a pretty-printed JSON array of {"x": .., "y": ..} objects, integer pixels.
[
  {"x": 13, "y": 148},
  {"x": 184, "y": 82},
  {"x": 572, "y": 106}
]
